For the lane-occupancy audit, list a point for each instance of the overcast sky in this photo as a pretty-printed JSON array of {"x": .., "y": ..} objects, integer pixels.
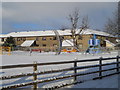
[{"x": 21, "y": 16}]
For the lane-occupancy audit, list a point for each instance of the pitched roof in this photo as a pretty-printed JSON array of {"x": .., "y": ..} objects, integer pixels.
[
  {"x": 110, "y": 42},
  {"x": 27, "y": 43},
  {"x": 3, "y": 35},
  {"x": 51, "y": 33},
  {"x": 90, "y": 31},
  {"x": 67, "y": 43}
]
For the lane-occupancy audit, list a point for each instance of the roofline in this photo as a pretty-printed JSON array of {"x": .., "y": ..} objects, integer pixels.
[{"x": 7, "y": 35}]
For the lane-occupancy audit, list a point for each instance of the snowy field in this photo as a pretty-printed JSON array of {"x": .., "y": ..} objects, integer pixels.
[
  {"x": 108, "y": 82},
  {"x": 21, "y": 57}
]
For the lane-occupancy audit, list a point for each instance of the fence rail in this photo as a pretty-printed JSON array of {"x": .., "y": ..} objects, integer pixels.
[
  {"x": 74, "y": 68},
  {"x": 51, "y": 63}
]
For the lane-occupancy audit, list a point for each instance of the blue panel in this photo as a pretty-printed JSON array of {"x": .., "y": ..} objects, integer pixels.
[{"x": 89, "y": 42}]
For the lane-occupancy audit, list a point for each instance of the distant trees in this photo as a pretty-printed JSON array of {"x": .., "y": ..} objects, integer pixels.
[
  {"x": 85, "y": 23},
  {"x": 111, "y": 25},
  {"x": 10, "y": 42}
]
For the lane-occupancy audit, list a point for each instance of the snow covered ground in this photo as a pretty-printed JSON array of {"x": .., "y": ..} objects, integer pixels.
[
  {"x": 108, "y": 82},
  {"x": 21, "y": 57}
]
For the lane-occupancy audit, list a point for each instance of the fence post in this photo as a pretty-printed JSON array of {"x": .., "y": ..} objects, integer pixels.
[
  {"x": 9, "y": 50},
  {"x": 35, "y": 75},
  {"x": 117, "y": 65},
  {"x": 75, "y": 70},
  {"x": 30, "y": 51},
  {"x": 100, "y": 68}
]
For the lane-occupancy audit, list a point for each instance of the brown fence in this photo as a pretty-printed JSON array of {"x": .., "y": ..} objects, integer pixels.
[{"x": 74, "y": 68}]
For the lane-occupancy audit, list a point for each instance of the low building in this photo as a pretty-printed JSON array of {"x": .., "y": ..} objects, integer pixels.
[{"x": 47, "y": 41}]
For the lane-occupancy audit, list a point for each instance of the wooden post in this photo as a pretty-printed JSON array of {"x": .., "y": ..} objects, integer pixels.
[
  {"x": 117, "y": 65},
  {"x": 9, "y": 50},
  {"x": 75, "y": 70},
  {"x": 35, "y": 76},
  {"x": 100, "y": 68},
  {"x": 30, "y": 51},
  {"x": 1, "y": 50}
]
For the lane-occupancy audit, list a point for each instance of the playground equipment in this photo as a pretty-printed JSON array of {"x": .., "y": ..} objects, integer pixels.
[
  {"x": 69, "y": 51},
  {"x": 35, "y": 50},
  {"x": 5, "y": 50},
  {"x": 58, "y": 50},
  {"x": 94, "y": 45}
]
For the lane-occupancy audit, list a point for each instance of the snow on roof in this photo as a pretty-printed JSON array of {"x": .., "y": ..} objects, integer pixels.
[
  {"x": 110, "y": 42},
  {"x": 118, "y": 40},
  {"x": 27, "y": 43},
  {"x": 3, "y": 35},
  {"x": 67, "y": 42},
  {"x": 31, "y": 33},
  {"x": 51, "y": 33},
  {"x": 90, "y": 31},
  {"x": 38, "y": 33}
]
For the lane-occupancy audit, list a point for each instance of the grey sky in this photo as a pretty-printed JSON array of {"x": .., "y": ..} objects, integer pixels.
[
  {"x": 60, "y": 0},
  {"x": 42, "y": 16}
]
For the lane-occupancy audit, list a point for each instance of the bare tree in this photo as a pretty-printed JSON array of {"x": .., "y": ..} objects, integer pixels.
[
  {"x": 84, "y": 25},
  {"x": 63, "y": 27},
  {"x": 85, "y": 22},
  {"x": 74, "y": 19}
]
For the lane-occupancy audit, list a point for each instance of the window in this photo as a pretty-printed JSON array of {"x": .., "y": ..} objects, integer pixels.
[
  {"x": 37, "y": 38},
  {"x": 55, "y": 45},
  {"x": 24, "y": 39},
  {"x": 54, "y": 38},
  {"x": 80, "y": 37},
  {"x": 50, "y": 38},
  {"x": 70, "y": 35},
  {"x": 44, "y": 45},
  {"x": 44, "y": 38},
  {"x": 2, "y": 40},
  {"x": 107, "y": 38},
  {"x": 69, "y": 48},
  {"x": 21, "y": 38},
  {"x": 80, "y": 46},
  {"x": 18, "y": 39}
]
